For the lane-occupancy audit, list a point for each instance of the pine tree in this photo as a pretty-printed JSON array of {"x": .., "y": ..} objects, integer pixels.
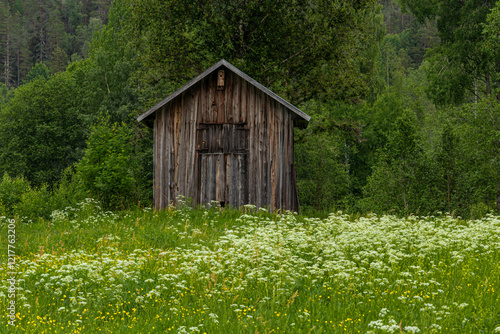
[{"x": 6, "y": 37}]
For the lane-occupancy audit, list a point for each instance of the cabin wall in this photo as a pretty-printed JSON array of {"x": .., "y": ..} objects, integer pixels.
[{"x": 262, "y": 176}]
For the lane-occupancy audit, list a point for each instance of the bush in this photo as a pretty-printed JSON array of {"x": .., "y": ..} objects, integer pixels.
[
  {"x": 107, "y": 170},
  {"x": 18, "y": 198},
  {"x": 42, "y": 130},
  {"x": 69, "y": 190},
  {"x": 36, "y": 203},
  {"x": 11, "y": 193},
  {"x": 3, "y": 210}
]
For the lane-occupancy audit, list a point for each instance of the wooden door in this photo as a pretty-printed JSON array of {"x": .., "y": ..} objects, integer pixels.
[{"x": 222, "y": 155}]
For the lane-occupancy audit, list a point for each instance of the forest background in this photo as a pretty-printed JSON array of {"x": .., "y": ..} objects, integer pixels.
[{"x": 404, "y": 97}]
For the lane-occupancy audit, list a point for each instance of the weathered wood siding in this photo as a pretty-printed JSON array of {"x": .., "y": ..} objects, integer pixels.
[{"x": 234, "y": 146}]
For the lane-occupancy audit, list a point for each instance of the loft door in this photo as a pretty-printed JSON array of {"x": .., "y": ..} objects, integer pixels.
[{"x": 222, "y": 150}]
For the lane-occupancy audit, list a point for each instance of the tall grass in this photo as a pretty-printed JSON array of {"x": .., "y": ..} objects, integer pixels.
[{"x": 224, "y": 271}]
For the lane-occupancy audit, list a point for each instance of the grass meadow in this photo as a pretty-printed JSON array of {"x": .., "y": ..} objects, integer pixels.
[{"x": 226, "y": 271}]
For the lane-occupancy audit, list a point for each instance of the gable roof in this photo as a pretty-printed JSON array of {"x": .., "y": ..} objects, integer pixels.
[{"x": 214, "y": 67}]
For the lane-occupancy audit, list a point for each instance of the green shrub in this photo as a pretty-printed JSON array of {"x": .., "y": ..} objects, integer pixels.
[
  {"x": 18, "y": 198},
  {"x": 109, "y": 165},
  {"x": 3, "y": 210},
  {"x": 68, "y": 191},
  {"x": 11, "y": 192},
  {"x": 35, "y": 204},
  {"x": 42, "y": 130},
  {"x": 478, "y": 210}
]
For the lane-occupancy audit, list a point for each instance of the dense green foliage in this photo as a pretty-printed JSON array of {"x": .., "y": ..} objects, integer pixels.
[
  {"x": 31, "y": 204},
  {"x": 463, "y": 69},
  {"x": 420, "y": 148},
  {"x": 402, "y": 94},
  {"x": 46, "y": 31},
  {"x": 300, "y": 49},
  {"x": 323, "y": 152},
  {"x": 110, "y": 168},
  {"x": 41, "y": 129}
]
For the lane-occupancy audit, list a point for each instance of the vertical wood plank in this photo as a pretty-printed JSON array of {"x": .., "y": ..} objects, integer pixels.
[
  {"x": 211, "y": 138},
  {"x": 222, "y": 162},
  {"x": 243, "y": 100},
  {"x": 165, "y": 156},
  {"x": 245, "y": 179},
  {"x": 157, "y": 136},
  {"x": 203, "y": 101},
  {"x": 182, "y": 152},
  {"x": 228, "y": 103},
  {"x": 214, "y": 174},
  {"x": 196, "y": 181},
  {"x": 217, "y": 177},
  {"x": 292, "y": 178},
  {"x": 252, "y": 120},
  {"x": 237, "y": 179},
  {"x": 265, "y": 150},
  {"x": 287, "y": 161},
  {"x": 228, "y": 186},
  {"x": 188, "y": 144},
  {"x": 226, "y": 142},
  {"x": 279, "y": 167},
  {"x": 220, "y": 101},
  {"x": 241, "y": 179},
  {"x": 177, "y": 140},
  {"x": 156, "y": 160},
  {"x": 213, "y": 97},
  {"x": 272, "y": 154},
  {"x": 211, "y": 178},
  {"x": 222, "y": 186},
  {"x": 234, "y": 181},
  {"x": 209, "y": 96},
  {"x": 173, "y": 146},
  {"x": 170, "y": 156},
  {"x": 235, "y": 105},
  {"x": 192, "y": 144},
  {"x": 203, "y": 178},
  {"x": 188, "y": 115},
  {"x": 253, "y": 138},
  {"x": 260, "y": 143},
  {"x": 168, "y": 153},
  {"x": 163, "y": 194},
  {"x": 288, "y": 179}
]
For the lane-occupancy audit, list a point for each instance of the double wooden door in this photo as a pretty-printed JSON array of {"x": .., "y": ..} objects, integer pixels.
[{"x": 222, "y": 155}]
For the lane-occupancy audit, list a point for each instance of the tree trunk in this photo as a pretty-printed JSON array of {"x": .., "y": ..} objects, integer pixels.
[
  {"x": 387, "y": 66},
  {"x": 42, "y": 41},
  {"x": 18, "y": 69},
  {"x": 7, "y": 53},
  {"x": 475, "y": 92},
  {"x": 488, "y": 84}
]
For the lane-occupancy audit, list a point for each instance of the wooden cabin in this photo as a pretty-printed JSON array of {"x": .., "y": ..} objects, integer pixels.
[{"x": 224, "y": 137}]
